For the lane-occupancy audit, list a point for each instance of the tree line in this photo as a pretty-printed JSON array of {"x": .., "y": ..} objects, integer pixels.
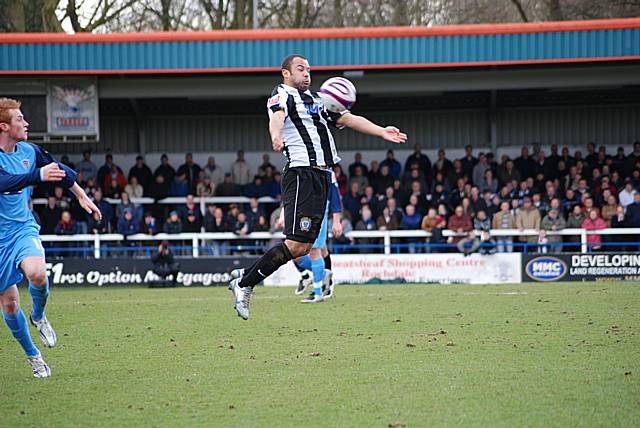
[{"x": 103, "y": 16}]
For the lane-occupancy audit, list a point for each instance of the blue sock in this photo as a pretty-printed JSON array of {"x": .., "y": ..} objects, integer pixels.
[
  {"x": 305, "y": 262},
  {"x": 317, "y": 267},
  {"x": 18, "y": 325},
  {"x": 39, "y": 295}
]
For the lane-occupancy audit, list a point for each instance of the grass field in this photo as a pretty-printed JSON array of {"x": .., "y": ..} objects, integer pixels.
[{"x": 457, "y": 355}]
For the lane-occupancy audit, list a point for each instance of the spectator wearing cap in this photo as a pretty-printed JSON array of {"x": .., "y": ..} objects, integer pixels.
[
  {"x": 393, "y": 164},
  {"x": 173, "y": 225},
  {"x": 125, "y": 203},
  {"x": 528, "y": 217},
  {"x": 163, "y": 178},
  {"x": 142, "y": 173},
  {"x": 127, "y": 224}
]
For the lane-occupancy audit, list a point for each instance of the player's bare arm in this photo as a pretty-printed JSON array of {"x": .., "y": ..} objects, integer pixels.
[
  {"x": 364, "y": 125},
  {"x": 337, "y": 225},
  {"x": 85, "y": 202},
  {"x": 276, "y": 122}
]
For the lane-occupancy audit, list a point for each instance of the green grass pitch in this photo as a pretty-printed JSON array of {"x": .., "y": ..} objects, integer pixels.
[{"x": 374, "y": 356}]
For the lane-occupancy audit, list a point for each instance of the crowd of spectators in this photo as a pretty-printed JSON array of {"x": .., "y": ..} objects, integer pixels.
[{"x": 477, "y": 193}]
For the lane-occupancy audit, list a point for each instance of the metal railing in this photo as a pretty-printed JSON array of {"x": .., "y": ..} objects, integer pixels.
[{"x": 198, "y": 239}]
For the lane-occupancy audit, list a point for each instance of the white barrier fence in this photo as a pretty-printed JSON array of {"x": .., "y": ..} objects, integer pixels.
[{"x": 199, "y": 239}]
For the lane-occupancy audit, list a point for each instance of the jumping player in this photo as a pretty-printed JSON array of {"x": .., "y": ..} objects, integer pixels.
[
  {"x": 22, "y": 165},
  {"x": 298, "y": 124}
]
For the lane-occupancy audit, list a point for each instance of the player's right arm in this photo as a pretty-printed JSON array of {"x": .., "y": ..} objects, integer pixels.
[
  {"x": 16, "y": 182},
  {"x": 276, "y": 122},
  {"x": 277, "y": 108}
]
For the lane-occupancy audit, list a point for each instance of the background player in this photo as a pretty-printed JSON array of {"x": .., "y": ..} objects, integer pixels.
[
  {"x": 316, "y": 261},
  {"x": 298, "y": 124},
  {"x": 22, "y": 165}
]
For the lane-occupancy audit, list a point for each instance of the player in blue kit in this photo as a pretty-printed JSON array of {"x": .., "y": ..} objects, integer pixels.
[
  {"x": 315, "y": 261},
  {"x": 23, "y": 165}
]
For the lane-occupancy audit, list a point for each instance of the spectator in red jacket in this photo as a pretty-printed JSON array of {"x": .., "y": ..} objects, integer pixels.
[
  {"x": 594, "y": 222},
  {"x": 460, "y": 222}
]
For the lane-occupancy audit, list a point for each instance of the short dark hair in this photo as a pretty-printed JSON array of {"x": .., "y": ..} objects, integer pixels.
[{"x": 286, "y": 63}]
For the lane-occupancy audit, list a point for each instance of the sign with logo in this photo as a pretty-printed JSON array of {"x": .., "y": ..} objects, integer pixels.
[
  {"x": 73, "y": 107},
  {"x": 427, "y": 268},
  {"x": 581, "y": 267},
  {"x": 546, "y": 269},
  {"x": 132, "y": 272}
]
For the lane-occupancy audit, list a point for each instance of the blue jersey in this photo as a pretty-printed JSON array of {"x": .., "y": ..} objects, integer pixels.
[{"x": 19, "y": 170}]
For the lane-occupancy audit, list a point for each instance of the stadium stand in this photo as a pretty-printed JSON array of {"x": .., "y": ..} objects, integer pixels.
[{"x": 448, "y": 198}]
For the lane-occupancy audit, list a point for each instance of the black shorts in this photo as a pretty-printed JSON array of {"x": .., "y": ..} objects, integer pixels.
[{"x": 304, "y": 197}]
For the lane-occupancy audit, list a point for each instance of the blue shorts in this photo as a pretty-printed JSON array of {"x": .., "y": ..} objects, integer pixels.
[
  {"x": 13, "y": 251},
  {"x": 322, "y": 236}
]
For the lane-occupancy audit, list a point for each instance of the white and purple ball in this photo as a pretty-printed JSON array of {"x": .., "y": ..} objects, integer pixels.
[{"x": 338, "y": 94}]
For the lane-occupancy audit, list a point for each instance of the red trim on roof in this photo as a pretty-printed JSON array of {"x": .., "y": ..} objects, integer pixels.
[
  {"x": 321, "y": 68},
  {"x": 325, "y": 33}
]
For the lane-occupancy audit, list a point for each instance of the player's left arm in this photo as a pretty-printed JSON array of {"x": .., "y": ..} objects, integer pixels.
[
  {"x": 335, "y": 206},
  {"x": 44, "y": 158},
  {"x": 364, "y": 125}
]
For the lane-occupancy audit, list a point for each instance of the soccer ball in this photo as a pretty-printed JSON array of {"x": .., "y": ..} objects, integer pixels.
[{"x": 338, "y": 94}]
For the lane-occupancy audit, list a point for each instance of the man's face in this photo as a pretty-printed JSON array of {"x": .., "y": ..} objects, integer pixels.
[
  {"x": 299, "y": 76},
  {"x": 17, "y": 129}
]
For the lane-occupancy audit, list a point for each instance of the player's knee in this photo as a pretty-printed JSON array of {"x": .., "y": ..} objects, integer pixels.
[
  {"x": 299, "y": 249},
  {"x": 10, "y": 306},
  {"x": 37, "y": 277}
]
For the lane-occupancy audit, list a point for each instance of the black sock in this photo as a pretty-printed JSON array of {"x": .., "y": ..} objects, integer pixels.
[
  {"x": 300, "y": 268},
  {"x": 266, "y": 265},
  {"x": 327, "y": 261}
]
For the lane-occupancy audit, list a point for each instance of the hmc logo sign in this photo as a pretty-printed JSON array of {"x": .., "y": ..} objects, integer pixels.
[{"x": 546, "y": 268}]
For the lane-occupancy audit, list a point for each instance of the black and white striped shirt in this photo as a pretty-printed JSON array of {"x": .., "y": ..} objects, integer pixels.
[{"x": 307, "y": 138}]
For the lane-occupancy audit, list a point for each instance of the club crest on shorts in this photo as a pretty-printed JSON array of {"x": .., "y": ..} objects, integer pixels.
[
  {"x": 25, "y": 163},
  {"x": 305, "y": 224}
]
